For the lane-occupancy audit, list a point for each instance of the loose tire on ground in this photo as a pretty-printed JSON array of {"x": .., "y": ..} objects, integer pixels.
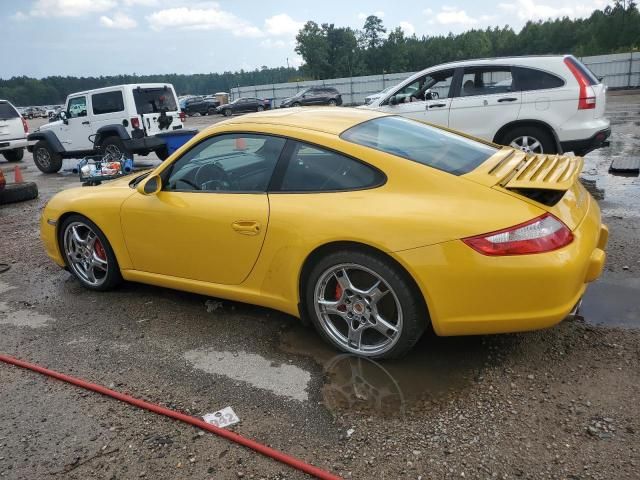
[
  {"x": 13, "y": 155},
  {"x": 547, "y": 143},
  {"x": 414, "y": 314},
  {"x": 45, "y": 158},
  {"x": 18, "y": 192}
]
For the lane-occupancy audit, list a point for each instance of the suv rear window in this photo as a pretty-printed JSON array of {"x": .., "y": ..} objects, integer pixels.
[
  {"x": 420, "y": 143},
  {"x": 531, "y": 79},
  {"x": 154, "y": 100},
  {"x": 7, "y": 111}
]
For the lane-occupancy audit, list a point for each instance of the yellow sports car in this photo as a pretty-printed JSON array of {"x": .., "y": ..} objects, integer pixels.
[{"x": 369, "y": 226}]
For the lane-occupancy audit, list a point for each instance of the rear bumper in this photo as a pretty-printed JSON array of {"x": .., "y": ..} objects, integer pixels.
[
  {"x": 13, "y": 144},
  {"x": 468, "y": 293},
  {"x": 582, "y": 147}
]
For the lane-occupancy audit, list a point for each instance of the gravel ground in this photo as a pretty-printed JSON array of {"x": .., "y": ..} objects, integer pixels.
[{"x": 558, "y": 403}]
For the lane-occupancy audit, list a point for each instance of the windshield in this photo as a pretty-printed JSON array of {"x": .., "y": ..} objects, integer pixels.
[
  {"x": 154, "y": 100},
  {"x": 421, "y": 143},
  {"x": 302, "y": 92},
  {"x": 7, "y": 111}
]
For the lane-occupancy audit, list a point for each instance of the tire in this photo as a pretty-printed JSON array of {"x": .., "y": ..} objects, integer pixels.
[
  {"x": 532, "y": 136},
  {"x": 13, "y": 155},
  {"x": 211, "y": 111},
  {"x": 354, "y": 309},
  {"x": 18, "y": 192},
  {"x": 114, "y": 146},
  {"x": 107, "y": 275},
  {"x": 162, "y": 153},
  {"x": 45, "y": 158},
  {"x": 227, "y": 112},
  {"x": 295, "y": 104},
  {"x": 332, "y": 103},
  {"x": 260, "y": 108}
]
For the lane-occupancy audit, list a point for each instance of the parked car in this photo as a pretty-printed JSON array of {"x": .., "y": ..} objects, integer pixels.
[
  {"x": 544, "y": 104},
  {"x": 120, "y": 120},
  {"x": 476, "y": 246},
  {"x": 314, "y": 96},
  {"x": 201, "y": 105},
  {"x": 375, "y": 96},
  {"x": 13, "y": 132},
  {"x": 243, "y": 105},
  {"x": 33, "y": 112}
]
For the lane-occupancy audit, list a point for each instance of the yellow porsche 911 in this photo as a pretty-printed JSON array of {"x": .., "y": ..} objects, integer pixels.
[{"x": 368, "y": 226}]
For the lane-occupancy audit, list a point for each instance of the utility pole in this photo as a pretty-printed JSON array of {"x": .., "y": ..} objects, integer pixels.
[{"x": 287, "y": 63}]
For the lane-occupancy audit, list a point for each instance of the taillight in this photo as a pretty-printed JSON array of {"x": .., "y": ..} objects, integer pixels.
[
  {"x": 542, "y": 234},
  {"x": 135, "y": 122},
  {"x": 24, "y": 125},
  {"x": 183, "y": 116},
  {"x": 587, "y": 98}
]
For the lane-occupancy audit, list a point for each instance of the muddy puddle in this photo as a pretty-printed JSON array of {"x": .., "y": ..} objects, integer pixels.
[
  {"x": 436, "y": 368},
  {"x": 612, "y": 302}
]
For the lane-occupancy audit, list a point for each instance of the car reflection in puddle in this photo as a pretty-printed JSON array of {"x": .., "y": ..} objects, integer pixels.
[
  {"x": 434, "y": 369},
  {"x": 612, "y": 301}
]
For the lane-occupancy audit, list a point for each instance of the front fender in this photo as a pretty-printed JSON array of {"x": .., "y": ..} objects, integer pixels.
[{"x": 49, "y": 137}]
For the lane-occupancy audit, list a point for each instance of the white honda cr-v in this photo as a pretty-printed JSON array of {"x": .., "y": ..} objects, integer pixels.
[{"x": 544, "y": 104}]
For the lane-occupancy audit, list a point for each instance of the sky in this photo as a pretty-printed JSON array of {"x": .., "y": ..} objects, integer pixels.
[{"x": 108, "y": 37}]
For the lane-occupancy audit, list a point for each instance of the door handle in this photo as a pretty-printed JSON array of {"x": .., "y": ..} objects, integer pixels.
[
  {"x": 86, "y": 123},
  {"x": 507, "y": 99},
  {"x": 436, "y": 105},
  {"x": 246, "y": 227}
]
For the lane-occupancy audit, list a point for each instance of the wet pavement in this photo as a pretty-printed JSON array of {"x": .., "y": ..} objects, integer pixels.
[{"x": 559, "y": 403}]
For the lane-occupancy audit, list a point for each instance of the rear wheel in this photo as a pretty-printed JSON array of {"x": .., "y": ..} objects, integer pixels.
[
  {"x": 295, "y": 104},
  {"x": 88, "y": 254},
  {"x": 114, "y": 147},
  {"x": 14, "y": 155},
  {"x": 211, "y": 111},
  {"x": 45, "y": 158},
  {"x": 260, "y": 108},
  {"x": 364, "y": 305},
  {"x": 530, "y": 140}
]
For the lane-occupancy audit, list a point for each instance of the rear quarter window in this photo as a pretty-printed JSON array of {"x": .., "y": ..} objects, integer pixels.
[
  {"x": 532, "y": 79},
  {"x": 154, "y": 100},
  {"x": 7, "y": 111},
  {"x": 108, "y": 102},
  {"x": 420, "y": 143}
]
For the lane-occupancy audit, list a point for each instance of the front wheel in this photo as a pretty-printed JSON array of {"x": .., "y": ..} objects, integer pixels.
[
  {"x": 332, "y": 103},
  {"x": 365, "y": 305},
  {"x": 45, "y": 158},
  {"x": 88, "y": 254},
  {"x": 227, "y": 112},
  {"x": 260, "y": 108},
  {"x": 14, "y": 155}
]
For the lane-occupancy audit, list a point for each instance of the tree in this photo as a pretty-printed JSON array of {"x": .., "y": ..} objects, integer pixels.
[
  {"x": 373, "y": 32},
  {"x": 312, "y": 46}
]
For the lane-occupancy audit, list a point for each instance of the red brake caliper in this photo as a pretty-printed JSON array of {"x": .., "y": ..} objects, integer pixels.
[
  {"x": 100, "y": 253},
  {"x": 339, "y": 291}
]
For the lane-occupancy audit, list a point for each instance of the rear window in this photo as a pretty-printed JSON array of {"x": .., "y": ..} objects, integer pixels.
[
  {"x": 109, "y": 102},
  {"x": 591, "y": 78},
  {"x": 7, "y": 111},
  {"x": 420, "y": 143},
  {"x": 154, "y": 100},
  {"x": 531, "y": 79}
]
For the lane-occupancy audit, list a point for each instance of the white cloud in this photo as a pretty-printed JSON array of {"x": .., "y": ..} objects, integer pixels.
[
  {"x": 19, "y": 16},
  {"x": 118, "y": 21},
  {"x": 454, "y": 15},
  {"x": 212, "y": 18},
  {"x": 530, "y": 10},
  {"x": 270, "y": 43},
  {"x": 407, "y": 28},
  {"x": 427, "y": 11},
  {"x": 141, "y": 3},
  {"x": 363, "y": 16},
  {"x": 281, "y": 25},
  {"x": 69, "y": 8}
]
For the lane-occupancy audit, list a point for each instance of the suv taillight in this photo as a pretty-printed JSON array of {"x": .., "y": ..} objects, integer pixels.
[
  {"x": 24, "y": 125},
  {"x": 542, "y": 234},
  {"x": 587, "y": 98},
  {"x": 183, "y": 116},
  {"x": 135, "y": 122}
]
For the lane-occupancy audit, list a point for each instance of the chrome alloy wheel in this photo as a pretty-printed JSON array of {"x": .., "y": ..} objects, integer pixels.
[
  {"x": 358, "y": 310},
  {"x": 527, "y": 144},
  {"x": 85, "y": 254}
]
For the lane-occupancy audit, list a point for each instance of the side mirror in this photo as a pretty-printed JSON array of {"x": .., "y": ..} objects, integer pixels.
[
  {"x": 150, "y": 186},
  {"x": 393, "y": 100},
  {"x": 63, "y": 116}
]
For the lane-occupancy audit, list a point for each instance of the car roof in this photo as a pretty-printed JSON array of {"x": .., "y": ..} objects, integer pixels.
[
  {"x": 328, "y": 119},
  {"x": 123, "y": 86},
  {"x": 525, "y": 60}
]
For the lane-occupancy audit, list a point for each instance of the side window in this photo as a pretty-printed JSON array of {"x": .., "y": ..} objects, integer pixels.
[
  {"x": 312, "y": 169},
  {"x": 227, "y": 163},
  {"x": 109, "y": 102},
  {"x": 428, "y": 87},
  {"x": 77, "y": 107},
  {"x": 486, "y": 81},
  {"x": 531, "y": 79}
]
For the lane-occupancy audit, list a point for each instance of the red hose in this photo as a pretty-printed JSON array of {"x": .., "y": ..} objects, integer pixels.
[{"x": 196, "y": 422}]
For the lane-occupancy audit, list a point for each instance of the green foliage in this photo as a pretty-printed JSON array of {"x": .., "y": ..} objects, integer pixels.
[{"x": 332, "y": 52}]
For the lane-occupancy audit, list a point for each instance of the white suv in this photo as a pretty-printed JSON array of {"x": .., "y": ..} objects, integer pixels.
[
  {"x": 13, "y": 132},
  {"x": 122, "y": 119},
  {"x": 545, "y": 104}
]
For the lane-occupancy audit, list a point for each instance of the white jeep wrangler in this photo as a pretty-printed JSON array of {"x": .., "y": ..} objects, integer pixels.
[{"x": 123, "y": 119}]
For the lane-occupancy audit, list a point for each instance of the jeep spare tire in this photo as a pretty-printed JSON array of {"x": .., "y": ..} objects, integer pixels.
[
  {"x": 45, "y": 158},
  {"x": 18, "y": 192}
]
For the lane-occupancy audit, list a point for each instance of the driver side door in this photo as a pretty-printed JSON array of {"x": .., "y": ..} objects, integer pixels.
[{"x": 209, "y": 220}]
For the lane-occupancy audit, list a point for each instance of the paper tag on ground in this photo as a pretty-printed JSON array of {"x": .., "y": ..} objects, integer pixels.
[{"x": 222, "y": 418}]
